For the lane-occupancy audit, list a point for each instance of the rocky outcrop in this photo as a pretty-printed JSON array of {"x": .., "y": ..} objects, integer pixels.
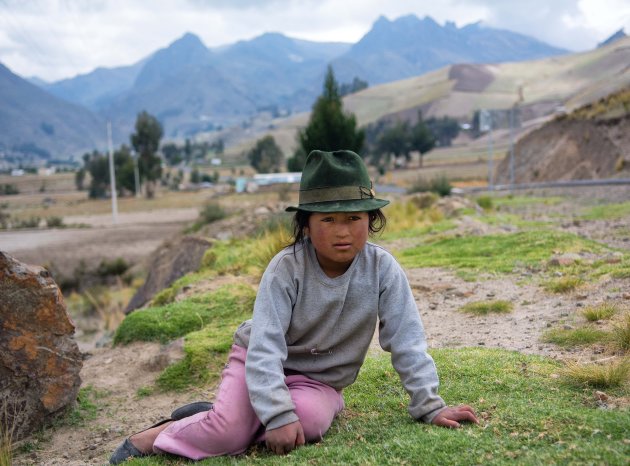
[
  {"x": 171, "y": 261},
  {"x": 39, "y": 359},
  {"x": 571, "y": 149}
]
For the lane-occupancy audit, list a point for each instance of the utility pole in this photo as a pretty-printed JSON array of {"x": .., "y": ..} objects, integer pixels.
[
  {"x": 512, "y": 124},
  {"x": 112, "y": 174},
  {"x": 136, "y": 173},
  {"x": 512, "y": 148},
  {"x": 485, "y": 125}
]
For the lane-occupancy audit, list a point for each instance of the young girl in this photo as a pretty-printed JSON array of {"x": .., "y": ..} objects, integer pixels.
[{"x": 316, "y": 310}]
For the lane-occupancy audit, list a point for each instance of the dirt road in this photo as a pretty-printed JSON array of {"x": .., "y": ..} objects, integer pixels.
[{"x": 133, "y": 238}]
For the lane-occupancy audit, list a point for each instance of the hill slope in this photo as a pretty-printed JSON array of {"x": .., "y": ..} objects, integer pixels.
[
  {"x": 459, "y": 90},
  {"x": 37, "y": 123},
  {"x": 592, "y": 142}
]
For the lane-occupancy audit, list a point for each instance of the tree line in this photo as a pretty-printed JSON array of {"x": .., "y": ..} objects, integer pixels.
[
  {"x": 329, "y": 128},
  {"x": 141, "y": 158}
]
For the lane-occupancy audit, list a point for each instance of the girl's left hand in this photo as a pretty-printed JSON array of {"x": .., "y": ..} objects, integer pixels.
[{"x": 452, "y": 416}]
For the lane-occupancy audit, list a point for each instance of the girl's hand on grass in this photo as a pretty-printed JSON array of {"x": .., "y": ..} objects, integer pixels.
[
  {"x": 284, "y": 439},
  {"x": 452, "y": 416}
]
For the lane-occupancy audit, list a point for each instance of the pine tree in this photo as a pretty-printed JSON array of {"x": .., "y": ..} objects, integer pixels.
[{"x": 329, "y": 128}]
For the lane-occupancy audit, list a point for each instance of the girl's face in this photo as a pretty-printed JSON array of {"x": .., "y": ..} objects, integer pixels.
[{"x": 337, "y": 237}]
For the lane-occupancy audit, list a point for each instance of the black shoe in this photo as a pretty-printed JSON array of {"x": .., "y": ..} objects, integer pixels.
[
  {"x": 127, "y": 449},
  {"x": 190, "y": 409},
  {"x": 124, "y": 452}
]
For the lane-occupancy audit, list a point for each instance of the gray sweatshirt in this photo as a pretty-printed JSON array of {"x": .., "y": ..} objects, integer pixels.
[{"x": 322, "y": 327}]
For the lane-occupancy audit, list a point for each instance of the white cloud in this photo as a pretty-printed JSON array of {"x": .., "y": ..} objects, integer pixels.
[{"x": 60, "y": 38}]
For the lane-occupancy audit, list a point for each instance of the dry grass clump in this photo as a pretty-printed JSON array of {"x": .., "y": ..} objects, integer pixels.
[
  {"x": 609, "y": 374},
  {"x": 7, "y": 429},
  {"x": 564, "y": 284},
  {"x": 601, "y": 311},
  {"x": 621, "y": 333}
]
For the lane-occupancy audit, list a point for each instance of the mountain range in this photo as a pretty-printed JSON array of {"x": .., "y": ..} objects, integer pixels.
[{"x": 191, "y": 88}]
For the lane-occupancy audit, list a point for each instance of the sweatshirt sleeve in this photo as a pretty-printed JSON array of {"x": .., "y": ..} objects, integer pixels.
[
  {"x": 267, "y": 352},
  {"x": 401, "y": 333}
]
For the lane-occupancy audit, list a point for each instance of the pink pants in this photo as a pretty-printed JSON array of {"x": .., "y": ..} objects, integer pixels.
[{"x": 232, "y": 425}]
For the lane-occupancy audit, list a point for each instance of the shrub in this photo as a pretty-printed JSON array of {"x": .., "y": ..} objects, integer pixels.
[
  {"x": 211, "y": 212},
  {"x": 9, "y": 189},
  {"x": 424, "y": 200},
  {"x": 114, "y": 267},
  {"x": 31, "y": 222},
  {"x": 54, "y": 222},
  {"x": 439, "y": 185},
  {"x": 485, "y": 202}
]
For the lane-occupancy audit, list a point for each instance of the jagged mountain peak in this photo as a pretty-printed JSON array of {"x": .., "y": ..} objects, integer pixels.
[{"x": 620, "y": 34}]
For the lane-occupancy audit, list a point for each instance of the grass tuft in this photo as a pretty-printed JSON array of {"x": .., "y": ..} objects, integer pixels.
[
  {"x": 486, "y": 307},
  {"x": 575, "y": 337},
  {"x": 86, "y": 408},
  {"x": 601, "y": 311},
  {"x": 564, "y": 284},
  {"x": 599, "y": 375},
  {"x": 7, "y": 429},
  {"x": 621, "y": 333}
]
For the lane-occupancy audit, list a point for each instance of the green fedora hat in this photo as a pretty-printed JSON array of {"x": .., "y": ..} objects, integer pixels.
[{"x": 336, "y": 182}]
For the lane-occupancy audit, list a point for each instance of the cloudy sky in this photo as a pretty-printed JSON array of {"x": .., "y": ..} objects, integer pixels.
[{"x": 54, "y": 39}]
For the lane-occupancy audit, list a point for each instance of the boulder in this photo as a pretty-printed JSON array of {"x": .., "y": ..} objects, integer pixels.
[
  {"x": 39, "y": 359},
  {"x": 171, "y": 261}
]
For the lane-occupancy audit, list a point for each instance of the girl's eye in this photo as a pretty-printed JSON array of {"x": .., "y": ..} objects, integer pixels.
[{"x": 327, "y": 219}]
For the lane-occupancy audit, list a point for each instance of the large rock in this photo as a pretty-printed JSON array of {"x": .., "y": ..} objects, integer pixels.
[
  {"x": 39, "y": 359},
  {"x": 171, "y": 261}
]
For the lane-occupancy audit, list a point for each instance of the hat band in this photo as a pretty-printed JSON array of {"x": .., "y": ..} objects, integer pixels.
[{"x": 341, "y": 193}]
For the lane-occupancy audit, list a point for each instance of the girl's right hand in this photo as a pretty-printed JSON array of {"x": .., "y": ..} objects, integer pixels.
[{"x": 286, "y": 438}]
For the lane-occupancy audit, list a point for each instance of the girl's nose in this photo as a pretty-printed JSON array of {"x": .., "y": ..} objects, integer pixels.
[{"x": 343, "y": 229}]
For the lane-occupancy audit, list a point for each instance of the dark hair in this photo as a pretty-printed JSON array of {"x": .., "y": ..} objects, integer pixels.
[{"x": 300, "y": 221}]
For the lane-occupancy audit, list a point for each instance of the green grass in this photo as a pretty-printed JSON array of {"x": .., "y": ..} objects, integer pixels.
[
  {"x": 231, "y": 303},
  {"x": 576, "y": 337},
  {"x": 487, "y": 307},
  {"x": 207, "y": 321},
  {"x": 205, "y": 354},
  {"x": 499, "y": 253},
  {"x": 523, "y": 201},
  {"x": 526, "y": 415},
  {"x": 86, "y": 408},
  {"x": 601, "y": 311},
  {"x": 607, "y": 211}
]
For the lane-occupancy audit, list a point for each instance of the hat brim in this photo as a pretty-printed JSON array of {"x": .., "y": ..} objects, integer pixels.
[{"x": 355, "y": 205}]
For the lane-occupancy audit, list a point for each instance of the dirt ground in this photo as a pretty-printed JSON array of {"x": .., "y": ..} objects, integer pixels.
[
  {"x": 134, "y": 237},
  {"x": 120, "y": 372}
]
